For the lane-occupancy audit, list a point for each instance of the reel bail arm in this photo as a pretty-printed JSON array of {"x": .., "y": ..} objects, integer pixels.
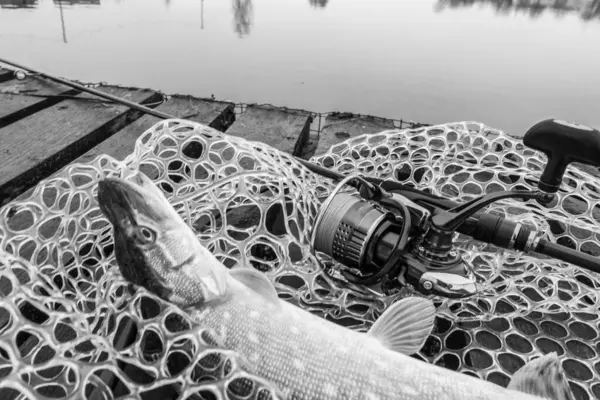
[{"x": 435, "y": 267}]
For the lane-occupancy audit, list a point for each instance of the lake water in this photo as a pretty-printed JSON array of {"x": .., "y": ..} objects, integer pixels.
[{"x": 504, "y": 63}]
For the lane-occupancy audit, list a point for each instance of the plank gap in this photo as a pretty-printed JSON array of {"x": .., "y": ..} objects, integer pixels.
[
  {"x": 6, "y": 76},
  {"x": 36, "y": 107}
]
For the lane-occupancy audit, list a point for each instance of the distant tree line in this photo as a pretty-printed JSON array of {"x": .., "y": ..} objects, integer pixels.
[
  {"x": 587, "y": 9},
  {"x": 18, "y": 3},
  {"x": 76, "y": 2},
  {"x": 34, "y": 3},
  {"x": 318, "y": 3}
]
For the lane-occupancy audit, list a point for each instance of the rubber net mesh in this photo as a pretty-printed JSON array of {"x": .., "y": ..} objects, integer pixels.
[{"x": 72, "y": 327}]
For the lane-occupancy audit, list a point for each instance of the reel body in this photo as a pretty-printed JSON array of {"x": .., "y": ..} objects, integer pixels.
[{"x": 378, "y": 237}]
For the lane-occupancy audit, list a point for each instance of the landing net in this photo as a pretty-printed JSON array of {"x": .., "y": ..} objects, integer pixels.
[{"x": 72, "y": 327}]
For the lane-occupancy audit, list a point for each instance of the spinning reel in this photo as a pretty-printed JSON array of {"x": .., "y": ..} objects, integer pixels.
[{"x": 390, "y": 232}]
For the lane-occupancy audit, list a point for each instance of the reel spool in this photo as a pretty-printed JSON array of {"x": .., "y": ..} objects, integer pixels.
[{"x": 360, "y": 234}]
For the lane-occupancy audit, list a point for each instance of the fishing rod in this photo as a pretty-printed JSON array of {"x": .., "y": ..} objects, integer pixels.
[
  {"x": 390, "y": 231},
  {"x": 89, "y": 90}
]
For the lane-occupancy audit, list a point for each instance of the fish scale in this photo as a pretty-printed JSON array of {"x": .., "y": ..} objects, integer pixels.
[{"x": 311, "y": 358}]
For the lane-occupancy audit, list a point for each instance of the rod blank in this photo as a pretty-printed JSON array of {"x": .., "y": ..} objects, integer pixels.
[{"x": 95, "y": 92}]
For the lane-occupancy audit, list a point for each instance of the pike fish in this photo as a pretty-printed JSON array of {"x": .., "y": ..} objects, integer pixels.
[{"x": 305, "y": 356}]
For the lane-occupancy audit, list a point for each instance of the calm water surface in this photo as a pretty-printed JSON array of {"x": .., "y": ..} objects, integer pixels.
[{"x": 505, "y": 63}]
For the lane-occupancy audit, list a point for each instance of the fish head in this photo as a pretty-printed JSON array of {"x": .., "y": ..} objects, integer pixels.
[{"x": 154, "y": 247}]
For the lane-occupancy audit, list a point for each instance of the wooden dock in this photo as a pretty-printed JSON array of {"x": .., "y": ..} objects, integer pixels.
[{"x": 45, "y": 126}]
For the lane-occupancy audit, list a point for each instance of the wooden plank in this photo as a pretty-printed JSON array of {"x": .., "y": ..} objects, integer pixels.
[
  {"x": 341, "y": 126},
  {"x": 77, "y": 116},
  {"x": 284, "y": 129},
  {"x": 36, "y": 147},
  {"x": 20, "y": 99},
  {"x": 218, "y": 115}
]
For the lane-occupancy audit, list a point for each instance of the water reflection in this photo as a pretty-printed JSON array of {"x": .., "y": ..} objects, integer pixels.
[
  {"x": 587, "y": 9},
  {"x": 242, "y": 16},
  {"x": 77, "y": 2},
  {"x": 318, "y": 3},
  {"x": 18, "y": 3},
  {"x": 62, "y": 22}
]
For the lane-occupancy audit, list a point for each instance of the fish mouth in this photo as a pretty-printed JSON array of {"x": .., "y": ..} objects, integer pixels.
[
  {"x": 122, "y": 201},
  {"x": 117, "y": 199}
]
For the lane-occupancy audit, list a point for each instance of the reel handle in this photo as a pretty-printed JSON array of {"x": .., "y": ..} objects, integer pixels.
[{"x": 563, "y": 143}]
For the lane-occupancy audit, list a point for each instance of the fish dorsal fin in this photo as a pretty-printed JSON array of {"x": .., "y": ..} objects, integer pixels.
[
  {"x": 405, "y": 325},
  {"x": 257, "y": 282},
  {"x": 543, "y": 377}
]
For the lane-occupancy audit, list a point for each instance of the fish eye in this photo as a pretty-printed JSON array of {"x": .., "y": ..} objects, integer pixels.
[{"x": 145, "y": 235}]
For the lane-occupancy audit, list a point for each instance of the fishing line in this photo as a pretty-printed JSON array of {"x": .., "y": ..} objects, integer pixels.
[
  {"x": 325, "y": 206},
  {"x": 328, "y": 226}
]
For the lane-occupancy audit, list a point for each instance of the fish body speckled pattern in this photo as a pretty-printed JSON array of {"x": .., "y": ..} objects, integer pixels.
[
  {"x": 312, "y": 358},
  {"x": 305, "y": 356}
]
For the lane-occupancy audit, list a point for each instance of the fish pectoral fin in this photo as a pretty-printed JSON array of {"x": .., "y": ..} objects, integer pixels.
[
  {"x": 543, "y": 377},
  {"x": 405, "y": 325},
  {"x": 257, "y": 282}
]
